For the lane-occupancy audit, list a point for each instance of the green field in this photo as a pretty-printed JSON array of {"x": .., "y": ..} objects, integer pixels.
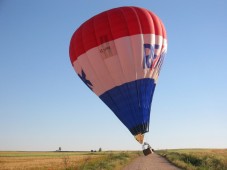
[
  {"x": 197, "y": 159},
  {"x": 65, "y": 160}
]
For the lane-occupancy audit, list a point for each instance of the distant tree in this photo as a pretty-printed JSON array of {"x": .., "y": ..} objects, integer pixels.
[
  {"x": 91, "y": 150},
  {"x": 59, "y": 149},
  {"x": 100, "y": 149}
]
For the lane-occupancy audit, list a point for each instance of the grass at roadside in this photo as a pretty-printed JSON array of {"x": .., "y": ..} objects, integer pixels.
[
  {"x": 65, "y": 160},
  {"x": 197, "y": 159},
  {"x": 111, "y": 161}
]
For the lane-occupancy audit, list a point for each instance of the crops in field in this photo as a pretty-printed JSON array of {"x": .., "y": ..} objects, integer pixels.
[
  {"x": 65, "y": 160},
  {"x": 197, "y": 159}
]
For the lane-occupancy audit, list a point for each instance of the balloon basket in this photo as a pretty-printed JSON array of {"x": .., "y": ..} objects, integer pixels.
[{"x": 147, "y": 151}]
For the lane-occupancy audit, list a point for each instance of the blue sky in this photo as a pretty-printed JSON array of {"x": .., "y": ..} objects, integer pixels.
[{"x": 44, "y": 104}]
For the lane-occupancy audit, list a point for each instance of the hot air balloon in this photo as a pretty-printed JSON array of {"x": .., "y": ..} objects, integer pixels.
[{"x": 118, "y": 54}]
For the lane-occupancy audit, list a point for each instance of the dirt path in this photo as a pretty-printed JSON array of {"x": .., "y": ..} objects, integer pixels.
[{"x": 150, "y": 162}]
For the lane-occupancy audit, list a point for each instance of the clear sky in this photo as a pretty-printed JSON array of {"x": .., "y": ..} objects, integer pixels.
[{"x": 44, "y": 105}]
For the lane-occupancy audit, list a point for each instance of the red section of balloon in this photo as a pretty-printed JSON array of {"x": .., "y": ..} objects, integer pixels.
[{"x": 114, "y": 24}]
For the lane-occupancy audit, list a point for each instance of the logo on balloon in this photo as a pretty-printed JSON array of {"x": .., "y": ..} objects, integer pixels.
[
  {"x": 85, "y": 80},
  {"x": 160, "y": 61},
  {"x": 149, "y": 55},
  {"x": 107, "y": 48}
]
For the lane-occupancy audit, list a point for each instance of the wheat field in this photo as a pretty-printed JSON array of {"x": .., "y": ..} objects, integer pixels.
[{"x": 64, "y": 160}]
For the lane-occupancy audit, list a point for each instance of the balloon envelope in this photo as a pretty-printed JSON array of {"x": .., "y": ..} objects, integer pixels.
[{"x": 118, "y": 54}]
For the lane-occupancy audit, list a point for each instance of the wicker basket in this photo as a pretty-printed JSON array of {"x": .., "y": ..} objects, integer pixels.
[{"x": 147, "y": 151}]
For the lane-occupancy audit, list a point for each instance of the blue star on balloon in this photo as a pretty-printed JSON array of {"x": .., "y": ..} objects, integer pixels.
[{"x": 84, "y": 79}]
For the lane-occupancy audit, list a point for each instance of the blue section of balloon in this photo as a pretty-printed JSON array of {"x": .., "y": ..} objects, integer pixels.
[{"x": 131, "y": 103}]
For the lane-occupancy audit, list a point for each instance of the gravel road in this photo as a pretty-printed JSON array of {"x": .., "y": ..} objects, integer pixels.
[{"x": 150, "y": 162}]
